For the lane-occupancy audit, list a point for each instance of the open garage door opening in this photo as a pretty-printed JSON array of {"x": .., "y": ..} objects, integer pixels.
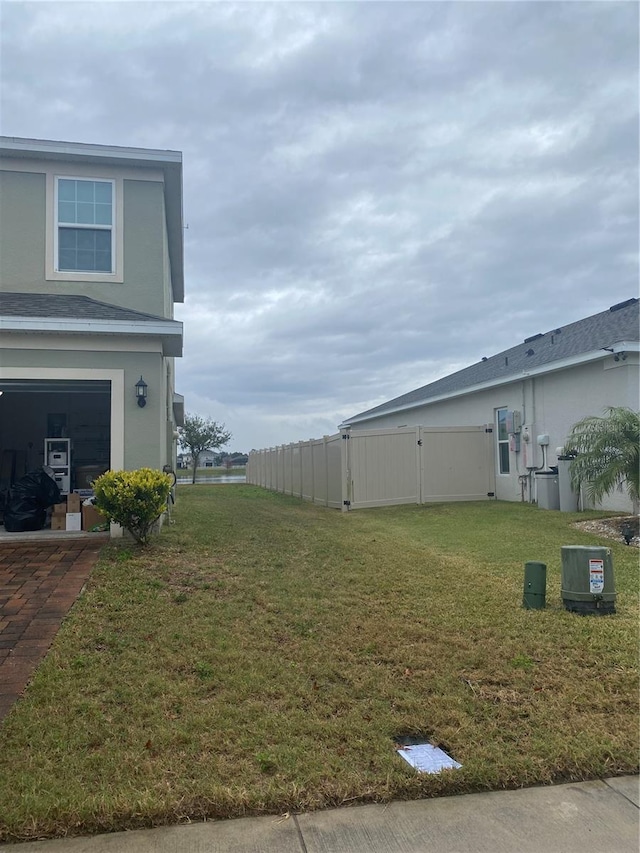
[{"x": 34, "y": 413}]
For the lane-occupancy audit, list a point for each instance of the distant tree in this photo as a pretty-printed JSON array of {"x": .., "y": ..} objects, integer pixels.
[
  {"x": 607, "y": 453},
  {"x": 200, "y": 434}
]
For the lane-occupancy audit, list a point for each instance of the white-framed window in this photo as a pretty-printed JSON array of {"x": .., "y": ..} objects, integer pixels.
[
  {"x": 84, "y": 240},
  {"x": 503, "y": 441}
]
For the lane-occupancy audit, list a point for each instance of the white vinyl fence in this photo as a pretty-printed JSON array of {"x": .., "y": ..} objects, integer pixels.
[{"x": 365, "y": 468}]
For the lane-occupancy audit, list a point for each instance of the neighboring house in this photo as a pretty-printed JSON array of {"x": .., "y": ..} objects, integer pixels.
[
  {"x": 91, "y": 264},
  {"x": 206, "y": 459},
  {"x": 532, "y": 394}
]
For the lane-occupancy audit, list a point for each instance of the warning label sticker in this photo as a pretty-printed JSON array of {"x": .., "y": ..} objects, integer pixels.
[{"x": 596, "y": 575}]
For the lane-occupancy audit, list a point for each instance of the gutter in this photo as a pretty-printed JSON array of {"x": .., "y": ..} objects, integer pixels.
[
  {"x": 171, "y": 331},
  {"x": 47, "y": 148},
  {"x": 562, "y": 364}
]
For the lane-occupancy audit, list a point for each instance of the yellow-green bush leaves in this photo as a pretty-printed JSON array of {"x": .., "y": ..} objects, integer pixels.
[{"x": 133, "y": 499}]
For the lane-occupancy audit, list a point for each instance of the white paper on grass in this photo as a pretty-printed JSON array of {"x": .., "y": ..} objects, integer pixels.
[{"x": 427, "y": 758}]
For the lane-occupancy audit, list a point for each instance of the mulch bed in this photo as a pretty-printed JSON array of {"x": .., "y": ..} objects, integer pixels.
[{"x": 614, "y": 528}]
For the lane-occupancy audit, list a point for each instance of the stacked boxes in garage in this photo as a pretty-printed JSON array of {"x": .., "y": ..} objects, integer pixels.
[
  {"x": 73, "y": 516},
  {"x": 74, "y": 512},
  {"x": 59, "y": 517}
]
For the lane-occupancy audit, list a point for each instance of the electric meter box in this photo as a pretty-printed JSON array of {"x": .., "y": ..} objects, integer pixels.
[
  {"x": 530, "y": 447},
  {"x": 513, "y": 422},
  {"x": 587, "y": 580}
]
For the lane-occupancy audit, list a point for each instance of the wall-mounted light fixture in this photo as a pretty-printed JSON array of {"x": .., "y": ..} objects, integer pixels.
[{"x": 141, "y": 392}]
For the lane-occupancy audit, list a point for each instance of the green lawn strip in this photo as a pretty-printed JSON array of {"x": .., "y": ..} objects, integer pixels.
[{"x": 263, "y": 655}]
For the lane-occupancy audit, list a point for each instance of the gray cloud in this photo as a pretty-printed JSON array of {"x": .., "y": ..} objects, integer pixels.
[{"x": 377, "y": 194}]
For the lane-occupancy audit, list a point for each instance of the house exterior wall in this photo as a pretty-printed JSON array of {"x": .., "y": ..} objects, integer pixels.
[
  {"x": 22, "y": 233},
  {"x": 551, "y": 403},
  {"x": 146, "y": 284}
]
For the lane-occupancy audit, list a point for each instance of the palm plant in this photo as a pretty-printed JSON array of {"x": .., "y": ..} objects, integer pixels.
[{"x": 607, "y": 453}]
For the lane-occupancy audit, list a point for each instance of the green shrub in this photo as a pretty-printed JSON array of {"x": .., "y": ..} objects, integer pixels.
[{"x": 133, "y": 499}]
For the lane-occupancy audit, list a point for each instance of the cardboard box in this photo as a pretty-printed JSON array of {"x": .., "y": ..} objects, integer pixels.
[
  {"x": 91, "y": 517},
  {"x": 74, "y": 521},
  {"x": 59, "y": 522},
  {"x": 60, "y": 509},
  {"x": 73, "y": 502}
]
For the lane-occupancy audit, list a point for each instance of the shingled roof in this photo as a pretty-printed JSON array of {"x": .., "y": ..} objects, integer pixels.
[
  {"x": 619, "y": 323},
  {"x": 67, "y": 307},
  {"x": 59, "y": 313}
]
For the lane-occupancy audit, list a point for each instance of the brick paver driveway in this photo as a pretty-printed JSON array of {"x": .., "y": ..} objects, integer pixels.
[{"x": 39, "y": 582}]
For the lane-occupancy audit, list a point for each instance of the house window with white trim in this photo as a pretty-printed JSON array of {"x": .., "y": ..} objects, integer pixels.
[
  {"x": 503, "y": 441},
  {"x": 84, "y": 225}
]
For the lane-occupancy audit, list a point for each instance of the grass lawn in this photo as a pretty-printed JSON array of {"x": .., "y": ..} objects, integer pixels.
[{"x": 264, "y": 654}]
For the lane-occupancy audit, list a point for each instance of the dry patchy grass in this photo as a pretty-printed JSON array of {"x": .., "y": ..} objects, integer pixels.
[{"x": 264, "y": 654}]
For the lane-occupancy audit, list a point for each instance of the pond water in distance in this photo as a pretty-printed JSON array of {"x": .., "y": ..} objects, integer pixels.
[{"x": 230, "y": 478}]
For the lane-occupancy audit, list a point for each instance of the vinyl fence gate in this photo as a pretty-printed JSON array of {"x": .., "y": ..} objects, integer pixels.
[{"x": 382, "y": 467}]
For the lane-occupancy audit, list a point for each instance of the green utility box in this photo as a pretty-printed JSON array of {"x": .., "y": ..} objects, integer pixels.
[
  {"x": 587, "y": 580},
  {"x": 535, "y": 586}
]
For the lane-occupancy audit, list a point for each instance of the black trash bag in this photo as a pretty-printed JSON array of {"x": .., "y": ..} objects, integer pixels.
[{"x": 28, "y": 501}]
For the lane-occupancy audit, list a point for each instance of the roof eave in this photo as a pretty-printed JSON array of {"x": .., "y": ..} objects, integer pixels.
[
  {"x": 46, "y": 149},
  {"x": 552, "y": 367},
  {"x": 170, "y": 332}
]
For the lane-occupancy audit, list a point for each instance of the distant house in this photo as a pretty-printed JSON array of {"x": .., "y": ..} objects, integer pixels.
[
  {"x": 207, "y": 459},
  {"x": 236, "y": 460},
  {"x": 91, "y": 265},
  {"x": 532, "y": 394}
]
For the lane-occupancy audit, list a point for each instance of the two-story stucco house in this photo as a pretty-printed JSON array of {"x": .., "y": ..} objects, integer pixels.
[{"x": 91, "y": 264}]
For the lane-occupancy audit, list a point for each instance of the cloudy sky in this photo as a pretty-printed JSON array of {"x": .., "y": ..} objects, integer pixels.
[{"x": 376, "y": 194}]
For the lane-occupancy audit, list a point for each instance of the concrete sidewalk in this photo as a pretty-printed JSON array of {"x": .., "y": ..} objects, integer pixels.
[{"x": 586, "y": 817}]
